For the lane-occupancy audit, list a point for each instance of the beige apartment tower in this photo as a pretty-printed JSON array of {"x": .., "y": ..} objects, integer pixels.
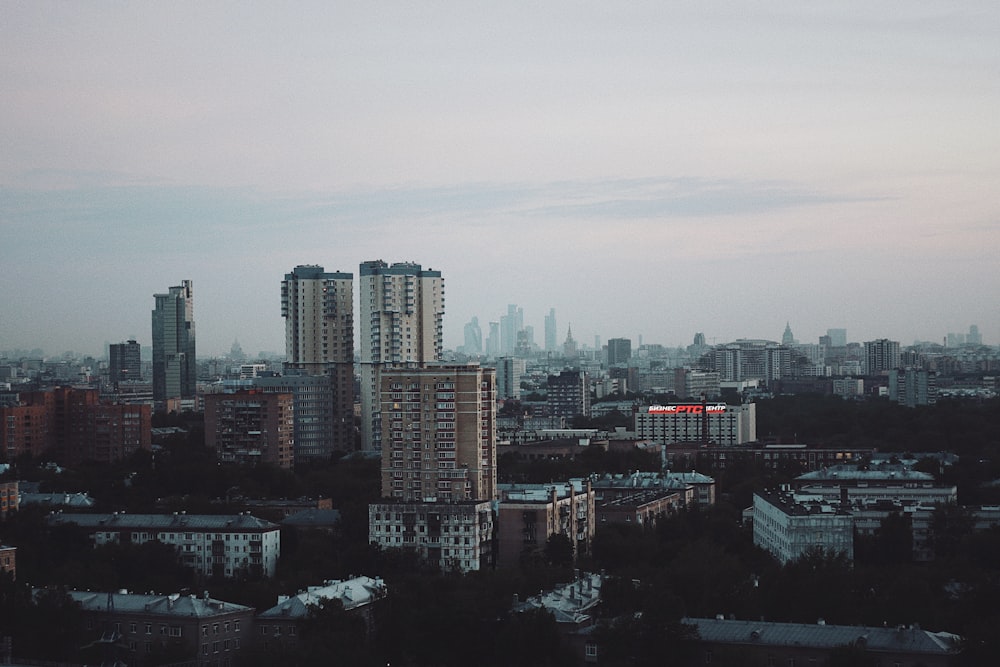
[
  {"x": 439, "y": 428},
  {"x": 402, "y": 312},
  {"x": 318, "y": 308}
]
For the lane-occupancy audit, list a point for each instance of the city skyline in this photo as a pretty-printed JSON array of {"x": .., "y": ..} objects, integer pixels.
[{"x": 648, "y": 170}]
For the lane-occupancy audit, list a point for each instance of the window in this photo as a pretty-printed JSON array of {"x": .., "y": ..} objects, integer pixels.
[
  {"x": 591, "y": 650},
  {"x": 175, "y": 631},
  {"x": 149, "y": 628}
]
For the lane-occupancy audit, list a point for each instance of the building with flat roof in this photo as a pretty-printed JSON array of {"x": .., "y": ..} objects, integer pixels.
[
  {"x": 251, "y": 427},
  {"x": 529, "y": 514},
  {"x": 452, "y": 536},
  {"x": 439, "y": 433},
  {"x": 789, "y": 525},
  {"x": 175, "y": 373},
  {"x": 402, "y": 315},
  {"x": 708, "y": 423},
  {"x": 318, "y": 308},
  {"x": 214, "y": 545}
]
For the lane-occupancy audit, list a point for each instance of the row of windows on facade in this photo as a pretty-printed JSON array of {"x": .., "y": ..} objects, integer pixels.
[
  {"x": 236, "y": 537},
  {"x": 175, "y": 630}
]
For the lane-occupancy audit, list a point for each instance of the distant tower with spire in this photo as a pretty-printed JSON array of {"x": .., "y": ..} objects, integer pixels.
[
  {"x": 569, "y": 347},
  {"x": 787, "y": 338}
]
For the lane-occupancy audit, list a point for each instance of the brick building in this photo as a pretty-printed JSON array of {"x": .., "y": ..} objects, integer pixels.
[{"x": 251, "y": 427}]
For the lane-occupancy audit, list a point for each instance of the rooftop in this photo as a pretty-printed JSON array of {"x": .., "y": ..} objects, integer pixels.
[
  {"x": 902, "y": 638},
  {"x": 159, "y": 605},
  {"x": 352, "y": 593},
  {"x": 175, "y": 521}
]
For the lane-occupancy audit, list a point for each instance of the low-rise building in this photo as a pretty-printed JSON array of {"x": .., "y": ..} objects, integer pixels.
[
  {"x": 214, "y": 545},
  {"x": 766, "y": 643},
  {"x": 199, "y": 630},
  {"x": 789, "y": 525},
  {"x": 715, "y": 423},
  {"x": 10, "y": 498},
  {"x": 529, "y": 514},
  {"x": 451, "y": 535},
  {"x": 281, "y": 625},
  {"x": 643, "y": 508},
  {"x": 8, "y": 560}
]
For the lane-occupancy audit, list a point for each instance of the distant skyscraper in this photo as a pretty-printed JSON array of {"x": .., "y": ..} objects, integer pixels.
[
  {"x": 551, "y": 335},
  {"x": 175, "y": 372},
  {"x": 881, "y": 355},
  {"x": 473, "y": 338},
  {"x": 493, "y": 341},
  {"x": 838, "y": 337},
  {"x": 124, "y": 362},
  {"x": 402, "y": 315},
  {"x": 510, "y": 325},
  {"x": 974, "y": 337},
  {"x": 619, "y": 351},
  {"x": 318, "y": 308}
]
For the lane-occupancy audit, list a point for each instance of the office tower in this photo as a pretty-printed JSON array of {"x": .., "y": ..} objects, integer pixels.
[
  {"x": 619, "y": 351},
  {"x": 838, "y": 337},
  {"x": 402, "y": 313},
  {"x": 318, "y": 308},
  {"x": 439, "y": 433},
  {"x": 510, "y": 370},
  {"x": 124, "y": 362},
  {"x": 881, "y": 355},
  {"x": 493, "y": 341},
  {"x": 175, "y": 372},
  {"x": 551, "y": 337},
  {"x": 473, "y": 338},
  {"x": 699, "y": 339},
  {"x": 510, "y": 325},
  {"x": 974, "y": 337}
]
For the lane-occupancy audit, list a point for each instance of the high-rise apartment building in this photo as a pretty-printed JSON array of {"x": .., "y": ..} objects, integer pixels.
[
  {"x": 402, "y": 314},
  {"x": 510, "y": 370},
  {"x": 175, "y": 372},
  {"x": 124, "y": 362},
  {"x": 568, "y": 394},
  {"x": 318, "y": 308},
  {"x": 251, "y": 427},
  {"x": 881, "y": 356},
  {"x": 439, "y": 433},
  {"x": 438, "y": 464}
]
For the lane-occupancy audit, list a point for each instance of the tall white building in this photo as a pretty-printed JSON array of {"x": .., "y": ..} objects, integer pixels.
[
  {"x": 318, "y": 308},
  {"x": 881, "y": 356},
  {"x": 402, "y": 314}
]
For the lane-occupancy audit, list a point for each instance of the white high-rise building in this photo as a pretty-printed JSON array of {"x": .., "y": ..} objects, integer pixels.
[
  {"x": 318, "y": 308},
  {"x": 402, "y": 314}
]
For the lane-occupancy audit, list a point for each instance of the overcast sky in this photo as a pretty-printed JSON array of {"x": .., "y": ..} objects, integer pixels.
[{"x": 645, "y": 168}]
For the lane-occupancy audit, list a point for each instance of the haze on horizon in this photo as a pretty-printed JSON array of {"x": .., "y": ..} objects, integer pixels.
[{"x": 653, "y": 168}]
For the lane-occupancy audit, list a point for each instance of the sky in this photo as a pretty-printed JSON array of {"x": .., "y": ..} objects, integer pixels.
[{"x": 648, "y": 169}]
